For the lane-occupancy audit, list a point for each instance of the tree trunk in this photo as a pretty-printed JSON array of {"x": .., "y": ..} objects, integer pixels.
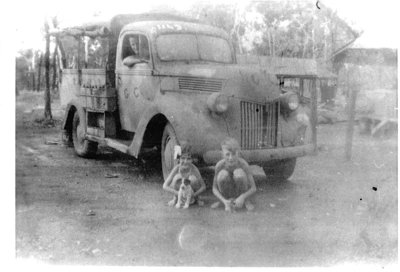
[
  {"x": 325, "y": 47},
  {"x": 303, "y": 54},
  {"x": 55, "y": 68},
  {"x": 239, "y": 42},
  {"x": 61, "y": 60},
  {"x": 33, "y": 81},
  {"x": 47, "y": 105},
  {"x": 269, "y": 42},
  {"x": 312, "y": 44},
  {"x": 273, "y": 44},
  {"x": 39, "y": 72},
  {"x": 235, "y": 29}
]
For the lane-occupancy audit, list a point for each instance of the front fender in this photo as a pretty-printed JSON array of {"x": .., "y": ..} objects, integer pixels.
[
  {"x": 202, "y": 129},
  {"x": 147, "y": 116},
  {"x": 296, "y": 128}
]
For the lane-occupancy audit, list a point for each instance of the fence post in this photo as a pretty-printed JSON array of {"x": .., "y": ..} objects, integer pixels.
[
  {"x": 350, "y": 125},
  {"x": 314, "y": 118}
]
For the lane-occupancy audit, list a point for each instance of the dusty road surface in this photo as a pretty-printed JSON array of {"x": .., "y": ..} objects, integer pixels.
[{"x": 112, "y": 210}]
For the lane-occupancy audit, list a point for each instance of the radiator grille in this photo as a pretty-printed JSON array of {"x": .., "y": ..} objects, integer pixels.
[
  {"x": 200, "y": 84},
  {"x": 259, "y": 125}
]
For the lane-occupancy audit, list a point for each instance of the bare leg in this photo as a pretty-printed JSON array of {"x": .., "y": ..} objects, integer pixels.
[
  {"x": 249, "y": 206},
  {"x": 230, "y": 207},
  {"x": 172, "y": 202},
  {"x": 195, "y": 186},
  {"x": 178, "y": 203},
  {"x": 188, "y": 197},
  {"x": 226, "y": 187},
  {"x": 175, "y": 185},
  {"x": 200, "y": 202},
  {"x": 215, "y": 205},
  {"x": 241, "y": 184}
]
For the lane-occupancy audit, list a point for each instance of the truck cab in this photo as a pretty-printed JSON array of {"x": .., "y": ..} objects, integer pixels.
[{"x": 169, "y": 79}]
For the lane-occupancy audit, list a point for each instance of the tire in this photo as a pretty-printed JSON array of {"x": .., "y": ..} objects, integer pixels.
[
  {"x": 279, "y": 169},
  {"x": 83, "y": 147},
  {"x": 169, "y": 140}
]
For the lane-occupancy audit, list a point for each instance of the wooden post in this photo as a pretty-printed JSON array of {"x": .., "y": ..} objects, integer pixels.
[
  {"x": 301, "y": 87},
  {"x": 86, "y": 48},
  {"x": 314, "y": 118},
  {"x": 350, "y": 125},
  {"x": 55, "y": 68},
  {"x": 79, "y": 61},
  {"x": 47, "y": 105},
  {"x": 33, "y": 80}
]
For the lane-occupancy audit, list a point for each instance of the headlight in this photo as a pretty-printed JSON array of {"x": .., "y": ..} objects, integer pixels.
[
  {"x": 217, "y": 103},
  {"x": 289, "y": 101}
]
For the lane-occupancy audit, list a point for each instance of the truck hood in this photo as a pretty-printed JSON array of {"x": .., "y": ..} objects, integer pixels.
[{"x": 244, "y": 82}]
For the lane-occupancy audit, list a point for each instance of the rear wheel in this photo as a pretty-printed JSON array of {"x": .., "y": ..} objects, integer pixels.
[
  {"x": 279, "y": 169},
  {"x": 169, "y": 140},
  {"x": 83, "y": 147}
]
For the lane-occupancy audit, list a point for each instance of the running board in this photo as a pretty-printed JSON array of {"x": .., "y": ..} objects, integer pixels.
[{"x": 113, "y": 143}]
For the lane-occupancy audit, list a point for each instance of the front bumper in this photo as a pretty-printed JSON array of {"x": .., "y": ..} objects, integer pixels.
[{"x": 262, "y": 155}]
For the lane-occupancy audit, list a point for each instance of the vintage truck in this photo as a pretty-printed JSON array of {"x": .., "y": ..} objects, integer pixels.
[{"x": 185, "y": 85}]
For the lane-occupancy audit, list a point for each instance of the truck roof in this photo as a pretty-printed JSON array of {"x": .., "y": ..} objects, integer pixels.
[
  {"x": 116, "y": 23},
  {"x": 156, "y": 28}
]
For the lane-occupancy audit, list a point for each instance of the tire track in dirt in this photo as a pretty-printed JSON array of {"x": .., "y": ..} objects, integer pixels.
[{"x": 37, "y": 154}]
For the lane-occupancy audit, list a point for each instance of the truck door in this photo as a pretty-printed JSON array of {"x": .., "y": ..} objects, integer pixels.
[{"x": 133, "y": 78}]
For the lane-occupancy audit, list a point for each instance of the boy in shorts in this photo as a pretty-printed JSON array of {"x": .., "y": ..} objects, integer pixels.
[
  {"x": 185, "y": 169},
  {"x": 233, "y": 182}
]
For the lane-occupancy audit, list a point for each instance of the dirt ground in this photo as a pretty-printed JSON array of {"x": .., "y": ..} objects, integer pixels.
[{"x": 112, "y": 210}]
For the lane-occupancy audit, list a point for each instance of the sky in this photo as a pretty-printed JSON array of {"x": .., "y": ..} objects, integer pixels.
[{"x": 378, "y": 19}]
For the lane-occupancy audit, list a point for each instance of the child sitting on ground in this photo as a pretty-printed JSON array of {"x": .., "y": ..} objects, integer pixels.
[
  {"x": 233, "y": 182},
  {"x": 185, "y": 169}
]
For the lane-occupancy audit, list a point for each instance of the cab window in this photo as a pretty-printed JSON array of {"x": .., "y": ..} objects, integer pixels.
[{"x": 136, "y": 46}]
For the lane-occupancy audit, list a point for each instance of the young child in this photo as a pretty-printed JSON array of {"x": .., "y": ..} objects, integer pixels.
[
  {"x": 233, "y": 182},
  {"x": 185, "y": 169}
]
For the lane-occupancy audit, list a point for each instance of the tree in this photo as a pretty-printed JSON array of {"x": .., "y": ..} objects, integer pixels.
[
  {"x": 40, "y": 55},
  {"x": 55, "y": 57},
  {"x": 283, "y": 28},
  {"x": 224, "y": 16},
  {"x": 24, "y": 70},
  {"x": 47, "y": 98}
]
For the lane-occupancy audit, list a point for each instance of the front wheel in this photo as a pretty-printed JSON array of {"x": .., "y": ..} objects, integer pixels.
[
  {"x": 279, "y": 169},
  {"x": 169, "y": 140},
  {"x": 83, "y": 147}
]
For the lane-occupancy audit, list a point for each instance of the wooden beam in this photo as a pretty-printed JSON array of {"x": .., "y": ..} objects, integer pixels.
[
  {"x": 350, "y": 125},
  {"x": 78, "y": 32},
  {"x": 47, "y": 105},
  {"x": 314, "y": 118}
]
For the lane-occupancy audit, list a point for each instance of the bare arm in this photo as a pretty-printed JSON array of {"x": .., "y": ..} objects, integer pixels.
[
  {"x": 200, "y": 179},
  {"x": 215, "y": 190},
  {"x": 252, "y": 188},
  {"x": 167, "y": 184},
  {"x": 132, "y": 60}
]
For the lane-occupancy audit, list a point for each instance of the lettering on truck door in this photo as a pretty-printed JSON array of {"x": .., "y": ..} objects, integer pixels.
[{"x": 133, "y": 79}]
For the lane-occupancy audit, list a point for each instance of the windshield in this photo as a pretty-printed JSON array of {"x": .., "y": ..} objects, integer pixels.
[{"x": 187, "y": 47}]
